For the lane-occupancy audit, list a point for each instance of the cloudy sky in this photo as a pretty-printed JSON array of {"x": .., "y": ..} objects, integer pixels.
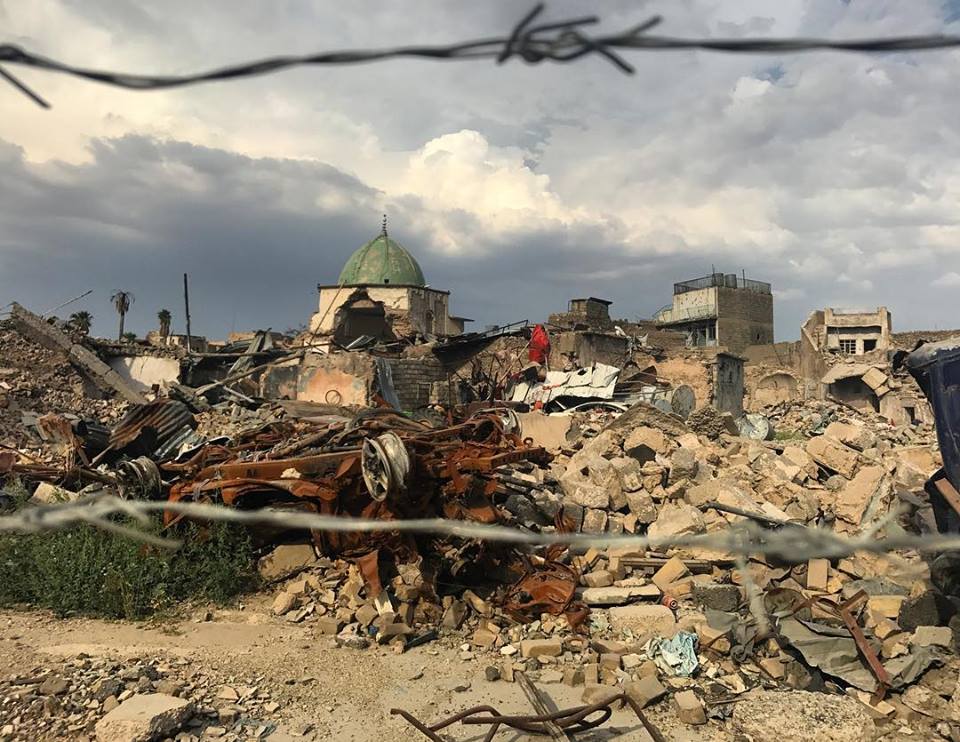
[{"x": 834, "y": 177}]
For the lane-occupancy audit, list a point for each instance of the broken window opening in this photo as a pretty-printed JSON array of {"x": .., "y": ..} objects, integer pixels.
[
  {"x": 869, "y": 345},
  {"x": 360, "y": 316}
]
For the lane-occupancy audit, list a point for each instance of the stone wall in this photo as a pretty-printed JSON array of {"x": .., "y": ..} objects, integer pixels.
[
  {"x": 338, "y": 378},
  {"x": 419, "y": 382},
  {"x": 784, "y": 355},
  {"x": 691, "y": 368},
  {"x": 580, "y": 349},
  {"x": 744, "y": 318},
  {"x": 907, "y": 340},
  {"x": 727, "y": 393}
]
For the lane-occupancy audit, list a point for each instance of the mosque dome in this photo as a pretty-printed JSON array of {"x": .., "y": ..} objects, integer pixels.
[{"x": 382, "y": 262}]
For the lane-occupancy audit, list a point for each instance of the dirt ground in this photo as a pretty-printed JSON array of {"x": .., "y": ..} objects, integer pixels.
[{"x": 324, "y": 692}]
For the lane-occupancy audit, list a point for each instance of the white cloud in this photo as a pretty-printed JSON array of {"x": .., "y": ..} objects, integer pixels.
[
  {"x": 947, "y": 280},
  {"x": 811, "y": 171}
]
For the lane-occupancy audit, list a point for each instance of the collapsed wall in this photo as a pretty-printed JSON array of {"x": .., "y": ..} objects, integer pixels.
[{"x": 35, "y": 380}]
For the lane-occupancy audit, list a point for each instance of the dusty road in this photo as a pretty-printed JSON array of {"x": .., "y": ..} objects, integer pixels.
[{"x": 316, "y": 690}]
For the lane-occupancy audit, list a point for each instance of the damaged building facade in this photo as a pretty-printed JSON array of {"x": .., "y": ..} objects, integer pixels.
[
  {"x": 382, "y": 294},
  {"x": 720, "y": 310},
  {"x": 849, "y": 332}
]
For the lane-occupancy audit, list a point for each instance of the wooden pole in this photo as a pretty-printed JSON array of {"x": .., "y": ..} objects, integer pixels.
[{"x": 186, "y": 305}]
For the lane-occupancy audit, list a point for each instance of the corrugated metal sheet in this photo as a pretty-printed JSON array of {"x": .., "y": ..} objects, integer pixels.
[{"x": 168, "y": 417}]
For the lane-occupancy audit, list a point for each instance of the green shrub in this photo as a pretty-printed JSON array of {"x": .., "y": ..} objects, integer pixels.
[{"x": 85, "y": 570}]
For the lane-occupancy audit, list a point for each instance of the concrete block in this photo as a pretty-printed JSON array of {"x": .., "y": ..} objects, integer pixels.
[
  {"x": 818, "y": 573},
  {"x": 669, "y": 573},
  {"x": 532, "y": 648},
  {"x": 689, "y": 708},
  {"x": 602, "y": 596},
  {"x": 645, "y": 691},
  {"x": 932, "y": 636},
  {"x": 833, "y": 455},
  {"x": 677, "y": 519},
  {"x": 853, "y": 499},
  {"x": 143, "y": 718}
]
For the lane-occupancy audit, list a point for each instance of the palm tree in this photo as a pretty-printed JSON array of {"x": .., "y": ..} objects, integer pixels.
[
  {"x": 121, "y": 302},
  {"x": 164, "y": 318},
  {"x": 82, "y": 321},
  {"x": 129, "y": 337}
]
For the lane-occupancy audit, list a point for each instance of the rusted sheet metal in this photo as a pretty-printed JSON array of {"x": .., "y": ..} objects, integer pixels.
[
  {"x": 322, "y": 465},
  {"x": 165, "y": 417},
  {"x": 232, "y": 491},
  {"x": 846, "y": 613},
  {"x": 56, "y": 429},
  {"x": 448, "y": 472},
  {"x": 546, "y": 588}
]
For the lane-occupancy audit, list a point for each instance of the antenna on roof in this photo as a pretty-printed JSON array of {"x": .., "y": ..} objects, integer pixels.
[{"x": 384, "y": 226}]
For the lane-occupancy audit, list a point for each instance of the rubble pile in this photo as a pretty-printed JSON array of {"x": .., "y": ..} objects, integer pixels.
[
  {"x": 676, "y": 624},
  {"x": 35, "y": 381},
  {"x": 714, "y": 636},
  {"x": 804, "y": 418},
  {"x": 133, "y": 698}
]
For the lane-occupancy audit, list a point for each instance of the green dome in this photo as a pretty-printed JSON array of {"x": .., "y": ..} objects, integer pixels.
[{"x": 382, "y": 261}]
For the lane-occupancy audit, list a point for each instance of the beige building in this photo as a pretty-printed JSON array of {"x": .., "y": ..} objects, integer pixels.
[
  {"x": 850, "y": 332},
  {"x": 382, "y": 293},
  {"x": 720, "y": 310}
]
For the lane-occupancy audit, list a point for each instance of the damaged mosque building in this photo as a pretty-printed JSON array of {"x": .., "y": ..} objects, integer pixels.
[{"x": 382, "y": 294}]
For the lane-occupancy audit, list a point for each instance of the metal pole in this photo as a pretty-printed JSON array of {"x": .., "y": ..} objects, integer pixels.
[
  {"x": 186, "y": 305},
  {"x": 61, "y": 306}
]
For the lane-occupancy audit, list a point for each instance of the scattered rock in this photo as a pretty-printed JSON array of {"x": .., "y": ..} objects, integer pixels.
[
  {"x": 143, "y": 718},
  {"x": 801, "y": 716},
  {"x": 645, "y": 691},
  {"x": 689, "y": 708},
  {"x": 54, "y": 686},
  {"x": 718, "y": 597}
]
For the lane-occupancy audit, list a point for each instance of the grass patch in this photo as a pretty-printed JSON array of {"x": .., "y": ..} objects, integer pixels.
[{"x": 86, "y": 571}]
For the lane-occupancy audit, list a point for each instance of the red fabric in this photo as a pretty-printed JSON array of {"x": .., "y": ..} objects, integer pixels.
[{"x": 539, "y": 345}]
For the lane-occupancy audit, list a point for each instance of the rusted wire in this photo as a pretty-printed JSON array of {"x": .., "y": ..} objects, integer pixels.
[
  {"x": 572, "y": 720},
  {"x": 562, "y": 41}
]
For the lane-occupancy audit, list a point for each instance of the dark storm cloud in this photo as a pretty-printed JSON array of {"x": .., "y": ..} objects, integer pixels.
[{"x": 256, "y": 236}]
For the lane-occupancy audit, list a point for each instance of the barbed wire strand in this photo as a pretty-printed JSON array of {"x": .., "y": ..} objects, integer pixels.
[
  {"x": 792, "y": 542},
  {"x": 562, "y": 41}
]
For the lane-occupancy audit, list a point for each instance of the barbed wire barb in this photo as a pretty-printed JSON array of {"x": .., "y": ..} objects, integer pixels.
[
  {"x": 19, "y": 85},
  {"x": 561, "y": 41}
]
